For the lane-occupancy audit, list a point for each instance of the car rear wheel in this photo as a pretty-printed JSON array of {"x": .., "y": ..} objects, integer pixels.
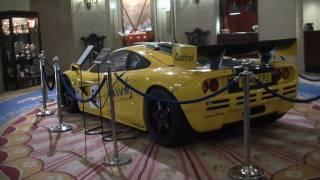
[
  {"x": 275, "y": 117},
  {"x": 69, "y": 104},
  {"x": 166, "y": 122}
]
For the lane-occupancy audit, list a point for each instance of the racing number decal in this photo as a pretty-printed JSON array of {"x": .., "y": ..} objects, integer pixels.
[
  {"x": 95, "y": 103},
  {"x": 120, "y": 91}
]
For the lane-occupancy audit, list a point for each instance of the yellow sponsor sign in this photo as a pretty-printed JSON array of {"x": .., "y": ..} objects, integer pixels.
[{"x": 185, "y": 56}]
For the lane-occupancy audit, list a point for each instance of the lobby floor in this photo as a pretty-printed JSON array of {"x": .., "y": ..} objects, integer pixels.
[{"x": 287, "y": 149}]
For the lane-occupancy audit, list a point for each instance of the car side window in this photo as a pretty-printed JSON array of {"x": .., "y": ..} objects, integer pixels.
[
  {"x": 119, "y": 60},
  {"x": 136, "y": 61},
  {"x": 123, "y": 60}
]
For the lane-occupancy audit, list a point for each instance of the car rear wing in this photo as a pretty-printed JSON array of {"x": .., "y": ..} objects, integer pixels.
[
  {"x": 266, "y": 49},
  {"x": 187, "y": 55}
]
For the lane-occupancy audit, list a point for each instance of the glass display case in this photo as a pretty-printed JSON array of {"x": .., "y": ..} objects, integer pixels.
[
  {"x": 137, "y": 24},
  {"x": 20, "y": 44}
]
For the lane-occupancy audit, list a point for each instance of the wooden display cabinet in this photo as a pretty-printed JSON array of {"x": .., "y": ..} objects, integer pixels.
[
  {"x": 132, "y": 38},
  {"x": 20, "y": 44},
  {"x": 311, "y": 51}
]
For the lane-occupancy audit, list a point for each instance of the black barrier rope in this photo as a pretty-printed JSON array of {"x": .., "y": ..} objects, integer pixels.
[
  {"x": 48, "y": 64},
  {"x": 274, "y": 93},
  {"x": 232, "y": 83},
  {"x": 70, "y": 91},
  {"x": 51, "y": 88},
  {"x": 107, "y": 89},
  {"x": 309, "y": 79}
]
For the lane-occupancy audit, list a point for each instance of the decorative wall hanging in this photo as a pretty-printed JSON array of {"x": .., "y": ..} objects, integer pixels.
[{"x": 136, "y": 15}]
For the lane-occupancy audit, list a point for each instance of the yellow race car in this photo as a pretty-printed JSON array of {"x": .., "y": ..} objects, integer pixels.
[{"x": 182, "y": 72}]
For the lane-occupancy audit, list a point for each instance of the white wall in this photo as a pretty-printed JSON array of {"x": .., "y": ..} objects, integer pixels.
[
  {"x": 56, "y": 29},
  {"x": 14, "y": 5},
  {"x": 86, "y": 21},
  {"x": 300, "y": 36},
  {"x": 191, "y": 15},
  {"x": 164, "y": 21},
  {"x": 276, "y": 19},
  {"x": 115, "y": 40},
  {"x": 6, "y": 5},
  {"x": 311, "y": 12}
]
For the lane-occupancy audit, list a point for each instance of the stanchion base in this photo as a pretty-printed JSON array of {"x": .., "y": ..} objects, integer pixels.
[
  {"x": 45, "y": 112},
  {"x": 95, "y": 131},
  {"x": 110, "y": 139},
  {"x": 246, "y": 172},
  {"x": 121, "y": 160},
  {"x": 49, "y": 100},
  {"x": 60, "y": 129}
]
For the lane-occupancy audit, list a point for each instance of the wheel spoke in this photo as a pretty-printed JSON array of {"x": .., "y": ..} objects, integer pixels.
[
  {"x": 164, "y": 119},
  {"x": 154, "y": 115},
  {"x": 166, "y": 112},
  {"x": 69, "y": 99},
  {"x": 159, "y": 106},
  {"x": 160, "y": 116},
  {"x": 159, "y": 127},
  {"x": 166, "y": 125}
]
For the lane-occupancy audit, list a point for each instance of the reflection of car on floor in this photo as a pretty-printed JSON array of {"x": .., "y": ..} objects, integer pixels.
[{"x": 182, "y": 72}]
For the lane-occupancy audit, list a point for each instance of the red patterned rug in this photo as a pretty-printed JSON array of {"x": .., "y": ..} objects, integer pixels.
[{"x": 287, "y": 149}]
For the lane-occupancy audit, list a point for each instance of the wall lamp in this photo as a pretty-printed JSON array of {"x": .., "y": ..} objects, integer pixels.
[
  {"x": 251, "y": 7},
  {"x": 89, "y": 3},
  {"x": 235, "y": 9}
]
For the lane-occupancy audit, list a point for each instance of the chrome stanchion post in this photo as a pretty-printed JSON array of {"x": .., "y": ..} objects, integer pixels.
[
  {"x": 42, "y": 58},
  {"x": 49, "y": 100},
  {"x": 61, "y": 127},
  {"x": 116, "y": 159},
  {"x": 44, "y": 111},
  {"x": 246, "y": 171}
]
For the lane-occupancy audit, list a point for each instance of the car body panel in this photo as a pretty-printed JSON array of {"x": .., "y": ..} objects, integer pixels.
[{"x": 184, "y": 83}]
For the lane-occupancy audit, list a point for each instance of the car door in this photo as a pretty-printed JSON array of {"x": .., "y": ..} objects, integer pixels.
[
  {"x": 90, "y": 80},
  {"x": 87, "y": 83},
  {"x": 127, "y": 103},
  {"x": 127, "y": 64}
]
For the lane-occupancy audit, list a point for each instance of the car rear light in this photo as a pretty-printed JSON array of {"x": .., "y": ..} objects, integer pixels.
[
  {"x": 285, "y": 73},
  {"x": 205, "y": 87},
  {"x": 277, "y": 73},
  {"x": 214, "y": 85},
  {"x": 282, "y": 73}
]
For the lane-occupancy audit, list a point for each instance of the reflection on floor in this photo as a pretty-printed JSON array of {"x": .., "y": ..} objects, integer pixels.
[
  {"x": 13, "y": 103},
  {"x": 287, "y": 149}
]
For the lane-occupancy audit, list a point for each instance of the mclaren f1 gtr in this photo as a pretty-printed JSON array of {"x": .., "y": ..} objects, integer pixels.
[{"x": 183, "y": 72}]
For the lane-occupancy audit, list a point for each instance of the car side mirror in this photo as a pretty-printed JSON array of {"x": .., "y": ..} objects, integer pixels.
[{"x": 74, "y": 67}]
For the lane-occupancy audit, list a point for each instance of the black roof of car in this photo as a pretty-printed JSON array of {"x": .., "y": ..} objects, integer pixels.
[{"x": 165, "y": 47}]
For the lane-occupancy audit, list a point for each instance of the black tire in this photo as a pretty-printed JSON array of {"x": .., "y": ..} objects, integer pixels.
[
  {"x": 69, "y": 104},
  {"x": 167, "y": 123},
  {"x": 276, "y": 116},
  {"x": 267, "y": 119}
]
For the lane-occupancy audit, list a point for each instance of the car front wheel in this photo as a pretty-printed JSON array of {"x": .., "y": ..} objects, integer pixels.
[{"x": 69, "y": 104}]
